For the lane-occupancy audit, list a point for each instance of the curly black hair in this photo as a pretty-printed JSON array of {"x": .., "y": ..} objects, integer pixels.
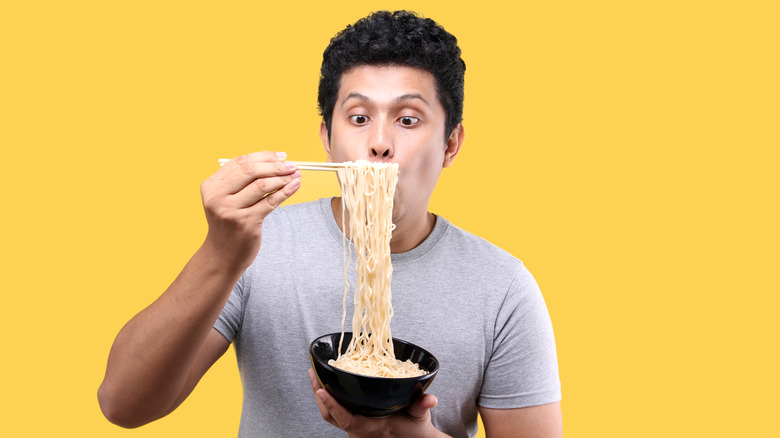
[{"x": 395, "y": 38}]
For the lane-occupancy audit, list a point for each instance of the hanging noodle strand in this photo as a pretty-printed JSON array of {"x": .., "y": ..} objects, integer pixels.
[{"x": 367, "y": 191}]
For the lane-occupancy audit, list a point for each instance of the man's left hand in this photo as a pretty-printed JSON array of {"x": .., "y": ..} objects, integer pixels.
[{"x": 415, "y": 421}]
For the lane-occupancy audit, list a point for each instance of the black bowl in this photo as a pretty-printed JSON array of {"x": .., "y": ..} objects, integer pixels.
[{"x": 366, "y": 395}]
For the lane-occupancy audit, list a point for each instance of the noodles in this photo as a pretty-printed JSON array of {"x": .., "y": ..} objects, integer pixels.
[{"x": 367, "y": 191}]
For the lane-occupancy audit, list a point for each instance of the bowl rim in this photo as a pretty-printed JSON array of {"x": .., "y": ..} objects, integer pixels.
[{"x": 429, "y": 374}]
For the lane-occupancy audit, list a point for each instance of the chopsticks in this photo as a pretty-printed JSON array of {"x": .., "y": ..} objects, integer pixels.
[{"x": 306, "y": 165}]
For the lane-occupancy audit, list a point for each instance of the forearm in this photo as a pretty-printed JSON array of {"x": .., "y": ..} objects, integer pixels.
[{"x": 153, "y": 354}]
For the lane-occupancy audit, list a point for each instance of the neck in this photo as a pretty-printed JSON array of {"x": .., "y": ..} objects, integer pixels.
[{"x": 408, "y": 233}]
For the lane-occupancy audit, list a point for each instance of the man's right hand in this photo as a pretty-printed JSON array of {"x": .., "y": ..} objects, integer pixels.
[{"x": 237, "y": 199}]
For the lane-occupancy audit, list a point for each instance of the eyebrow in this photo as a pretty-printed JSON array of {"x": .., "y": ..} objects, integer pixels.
[{"x": 398, "y": 99}]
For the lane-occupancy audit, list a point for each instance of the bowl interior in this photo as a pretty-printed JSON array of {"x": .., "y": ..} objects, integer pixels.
[
  {"x": 367, "y": 395},
  {"x": 325, "y": 348}
]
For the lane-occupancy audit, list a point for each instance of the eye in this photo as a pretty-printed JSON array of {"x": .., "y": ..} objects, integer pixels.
[
  {"x": 408, "y": 121},
  {"x": 359, "y": 119}
]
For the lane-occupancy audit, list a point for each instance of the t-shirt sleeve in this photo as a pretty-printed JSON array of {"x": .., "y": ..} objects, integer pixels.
[
  {"x": 229, "y": 321},
  {"x": 523, "y": 368}
]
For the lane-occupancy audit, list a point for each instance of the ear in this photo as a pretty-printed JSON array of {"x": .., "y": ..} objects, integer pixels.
[
  {"x": 453, "y": 145},
  {"x": 325, "y": 140}
]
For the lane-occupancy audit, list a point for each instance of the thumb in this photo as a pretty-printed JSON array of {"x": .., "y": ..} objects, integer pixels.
[{"x": 419, "y": 409}]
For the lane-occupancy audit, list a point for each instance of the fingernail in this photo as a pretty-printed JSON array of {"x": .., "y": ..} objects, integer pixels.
[
  {"x": 281, "y": 155},
  {"x": 297, "y": 174},
  {"x": 311, "y": 374},
  {"x": 322, "y": 396},
  {"x": 289, "y": 164},
  {"x": 294, "y": 184}
]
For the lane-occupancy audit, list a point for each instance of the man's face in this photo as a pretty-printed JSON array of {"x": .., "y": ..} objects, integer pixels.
[{"x": 393, "y": 114}]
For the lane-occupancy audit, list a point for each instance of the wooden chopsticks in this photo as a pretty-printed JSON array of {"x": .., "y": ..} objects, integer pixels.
[{"x": 305, "y": 165}]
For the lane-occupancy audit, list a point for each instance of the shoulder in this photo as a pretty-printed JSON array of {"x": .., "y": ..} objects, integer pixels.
[
  {"x": 504, "y": 282},
  {"x": 479, "y": 252},
  {"x": 471, "y": 268}
]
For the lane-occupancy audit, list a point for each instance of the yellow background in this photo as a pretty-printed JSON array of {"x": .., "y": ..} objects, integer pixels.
[{"x": 627, "y": 152}]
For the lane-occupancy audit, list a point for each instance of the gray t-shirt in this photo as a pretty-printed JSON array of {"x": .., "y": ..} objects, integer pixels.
[{"x": 472, "y": 305}]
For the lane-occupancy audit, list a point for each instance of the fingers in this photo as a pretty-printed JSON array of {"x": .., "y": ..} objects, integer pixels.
[
  {"x": 324, "y": 413},
  {"x": 336, "y": 414},
  {"x": 262, "y": 187},
  {"x": 414, "y": 421},
  {"x": 240, "y": 172},
  {"x": 266, "y": 205},
  {"x": 249, "y": 179},
  {"x": 315, "y": 386},
  {"x": 331, "y": 411},
  {"x": 419, "y": 409}
]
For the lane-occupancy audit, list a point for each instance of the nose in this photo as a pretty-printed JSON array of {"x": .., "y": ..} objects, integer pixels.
[
  {"x": 381, "y": 142},
  {"x": 380, "y": 151}
]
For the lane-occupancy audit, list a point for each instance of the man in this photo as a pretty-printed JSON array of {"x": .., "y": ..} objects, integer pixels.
[{"x": 271, "y": 278}]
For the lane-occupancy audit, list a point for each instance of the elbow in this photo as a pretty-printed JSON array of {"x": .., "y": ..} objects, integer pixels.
[{"x": 115, "y": 410}]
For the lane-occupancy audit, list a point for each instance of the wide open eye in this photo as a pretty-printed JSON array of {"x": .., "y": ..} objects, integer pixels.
[
  {"x": 359, "y": 119},
  {"x": 408, "y": 121}
]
